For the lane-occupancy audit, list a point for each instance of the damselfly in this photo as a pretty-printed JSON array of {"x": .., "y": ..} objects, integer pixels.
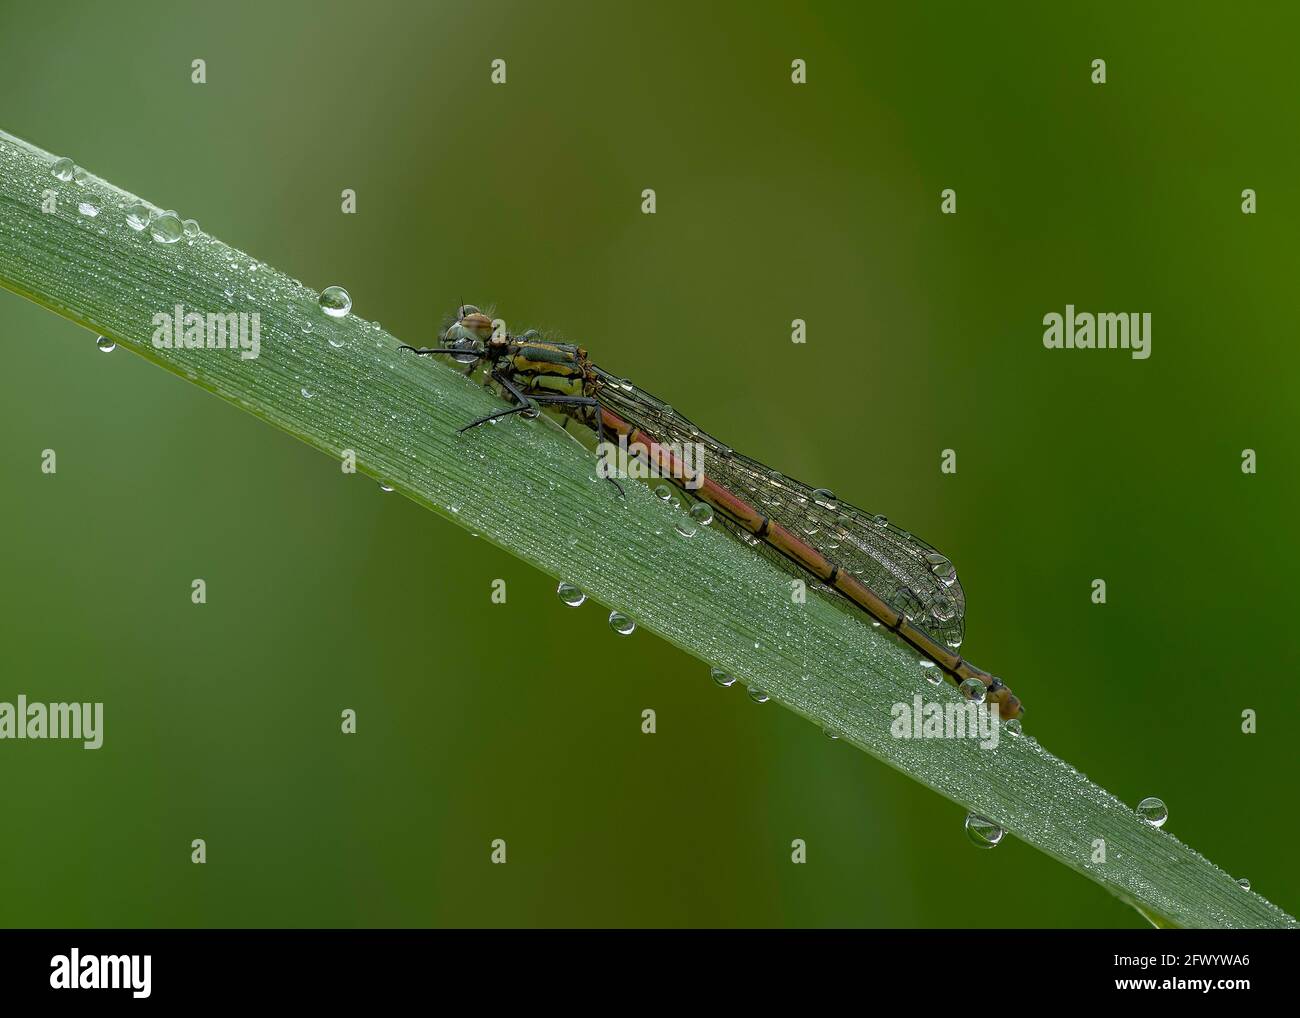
[{"x": 901, "y": 582}]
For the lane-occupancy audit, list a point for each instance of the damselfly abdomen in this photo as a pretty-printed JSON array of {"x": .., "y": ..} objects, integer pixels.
[{"x": 899, "y": 580}]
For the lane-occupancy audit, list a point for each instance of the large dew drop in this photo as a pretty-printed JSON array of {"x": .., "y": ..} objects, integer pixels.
[
  {"x": 137, "y": 216},
  {"x": 972, "y": 689},
  {"x": 621, "y": 624},
  {"x": 63, "y": 169},
  {"x": 335, "y": 302},
  {"x": 105, "y": 344},
  {"x": 982, "y": 832},
  {"x": 570, "y": 594},
  {"x": 722, "y": 678},
  {"x": 1153, "y": 811},
  {"x": 167, "y": 228}
]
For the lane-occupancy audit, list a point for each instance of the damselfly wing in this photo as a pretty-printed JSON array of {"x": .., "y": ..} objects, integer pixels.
[{"x": 908, "y": 574}]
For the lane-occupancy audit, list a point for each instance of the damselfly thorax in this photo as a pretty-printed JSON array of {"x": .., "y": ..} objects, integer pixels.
[{"x": 898, "y": 580}]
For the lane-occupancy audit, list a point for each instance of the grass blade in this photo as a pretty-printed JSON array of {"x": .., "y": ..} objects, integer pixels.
[{"x": 340, "y": 384}]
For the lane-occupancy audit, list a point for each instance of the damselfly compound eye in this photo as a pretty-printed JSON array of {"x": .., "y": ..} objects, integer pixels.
[
  {"x": 477, "y": 324},
  {"x": 457, "y": 337}
]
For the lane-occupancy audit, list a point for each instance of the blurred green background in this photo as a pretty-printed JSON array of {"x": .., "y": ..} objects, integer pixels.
[{"x": 521, "y": 721}]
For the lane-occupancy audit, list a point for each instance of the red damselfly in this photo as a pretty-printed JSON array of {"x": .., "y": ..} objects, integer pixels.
[{"x": 899, "y": 580}]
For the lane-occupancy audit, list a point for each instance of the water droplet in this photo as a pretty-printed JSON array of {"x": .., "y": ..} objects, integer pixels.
[
  {"x": 758, "y": 696},
  {"x": 972, "y": 689},
  {"x": 702, "y": 513},
  {"x": 384, "y": 487},
  {"x": 166, "y": 228},
  {"x": 932, "y": 675},
  {"x": 722, "y": 678},
  {"x": 137, "y": 216},
  {"x": 1243, "y": 883},
  {"x": 1013, "y": 726},
  {"x": 685, "y": 528},
  {"x": 570, "y": 594},
  {"x": 105, "y": 344},
  {"x": 335, "y": 302},
  {"x": 664, "y": 492},
  {"x": 625, "y": 384},
  {"x": 942, "y": 568},
  {"x": 830, "y": 733},
  {"x": 982, "y": 832},
  {"x": 63, "y": 169},
  {"x": 880, "y": 520},
  {"x": 80, "y": 176},
  {"x": 1153, "y": 811},
  {"x": 191, "y": 228},
  {"x": 621, "y": 624},
  {"x": 825, "y": 498},
  {"x": 336, "y": 342},
  {"x": 307, "y": 393},
  {"x": 943, "y": 609},
  {"x": 88, "y": 209}
]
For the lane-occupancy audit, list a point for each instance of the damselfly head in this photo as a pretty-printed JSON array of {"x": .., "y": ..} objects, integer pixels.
[
  {"x": 471, "y": 332},
  {"x": 474, "y": 323}
]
